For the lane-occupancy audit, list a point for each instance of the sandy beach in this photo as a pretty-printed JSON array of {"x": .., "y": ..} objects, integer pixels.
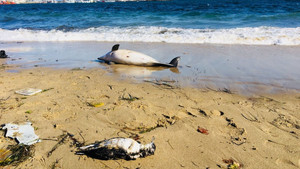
[{"x": 257, "y": 131}]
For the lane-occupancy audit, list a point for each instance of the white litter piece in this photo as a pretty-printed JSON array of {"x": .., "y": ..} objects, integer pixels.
[
  {"x": 24, "y": 133},
  {"x": 117, "y": 148},
  {"x": 28, "y": 91}
]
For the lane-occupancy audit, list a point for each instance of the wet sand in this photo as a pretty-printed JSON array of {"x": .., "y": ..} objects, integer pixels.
[
  {"x": 240, "y": 68},
  {"x": 257, "y": 132}
]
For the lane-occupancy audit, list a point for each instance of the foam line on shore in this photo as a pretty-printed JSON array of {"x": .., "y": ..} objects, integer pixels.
[{"x": 245, "y": 36}]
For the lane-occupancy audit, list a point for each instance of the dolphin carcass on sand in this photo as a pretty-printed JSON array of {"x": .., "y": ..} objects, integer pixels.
[{"x": 130, "y": 57}]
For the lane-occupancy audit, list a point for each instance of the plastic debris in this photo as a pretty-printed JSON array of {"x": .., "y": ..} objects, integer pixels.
[
  {"x": 232, "y": 164},
  {"x": 202, "y": 130},
  {"x": 117, "y": 148},
  {"x": 24, "y": 133},
  {"x": 28, "y": 91},
  {"x": 96, "y": 104}
]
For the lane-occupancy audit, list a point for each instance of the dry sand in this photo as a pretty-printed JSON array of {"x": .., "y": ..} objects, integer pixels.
[{"x": 257, "y": 132}]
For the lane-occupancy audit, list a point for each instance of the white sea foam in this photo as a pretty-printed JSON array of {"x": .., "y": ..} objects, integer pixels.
[{"x": 248, "y": 35}]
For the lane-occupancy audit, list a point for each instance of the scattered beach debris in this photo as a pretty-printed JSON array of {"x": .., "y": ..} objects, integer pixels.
[
  {"x": 3, "y": 54},
  {"x": 163, "y": 83},
  {"x": 202, "y": 130},
  {"x": 61, "y": 140},
  {"x": 45, "y": 90},
  {"x": 77, "y": 69},
  {"x": 3, "y": 66},
  {"x": 55, "y": 164},
  {"x": 230, "y": 122},
  {"x": 232, "y": 164},
  {"x": 225, "y": 90},
  {"x": 168, "y": 141},
  {"x": 117, "y": 148},
  {"x": 130, "y": 98},
  {"x": 191, "y": 114},
  {"x": 202, "y": 112},
  {"x": 100, "y": 104},
  {"x": 170, "y": 120},
  {"x": 250, "y": 117},
  {"x": 28, "y": 112},
  {"x": 146, "y": 130},
  {"x": 25, "y": 136},
  {"x": 15, "y": 154},
  {"x": 28, "y": 91},
  {"x": 24, "y": 133},
  {"x": 131, "y": 133}
]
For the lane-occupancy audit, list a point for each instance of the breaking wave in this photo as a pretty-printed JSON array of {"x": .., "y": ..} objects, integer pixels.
[{"x": 247, "y": 35}]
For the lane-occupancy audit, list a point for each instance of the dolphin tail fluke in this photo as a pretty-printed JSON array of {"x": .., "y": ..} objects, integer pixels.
[{"x": 175, "y": 61}]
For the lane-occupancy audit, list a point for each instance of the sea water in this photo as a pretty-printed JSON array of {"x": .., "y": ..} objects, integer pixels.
[{"x": 252, "y": 22}]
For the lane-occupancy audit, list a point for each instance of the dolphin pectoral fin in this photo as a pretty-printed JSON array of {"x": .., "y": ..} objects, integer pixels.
[
  {"x": 115, "y": 47},
  {"x": 105, "y": 61}
]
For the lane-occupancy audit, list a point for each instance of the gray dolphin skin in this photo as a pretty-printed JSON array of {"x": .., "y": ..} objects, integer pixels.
[{"x": 129, "y": 57}]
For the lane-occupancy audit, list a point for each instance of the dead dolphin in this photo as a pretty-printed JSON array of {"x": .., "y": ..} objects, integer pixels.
[{"x": 130, "y": 57}]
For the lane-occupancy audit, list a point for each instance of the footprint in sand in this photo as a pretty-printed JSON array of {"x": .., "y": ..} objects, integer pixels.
[
  {"x": 236, "y": 134},
  {"x": 288, "y": 124}
]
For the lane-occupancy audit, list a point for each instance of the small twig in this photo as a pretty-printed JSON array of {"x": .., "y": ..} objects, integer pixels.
[
  {"x": 50, "y": 139},
  {"x": 75, "y": 141},
  {"x": 5, "y": 99},
  {"x": 168, "y": 141},
  {"x": 64, "y": 136},
  {"x": 105, "y": 164},
  {"x": 252, "y": 118},
  {"x": 292, "y": 133},
  {"x": 211, "y": 89},
  {"x": 82, "y": 138},
  {"x": 189, "y": 113},
  {"x": 194, "y": 164}
]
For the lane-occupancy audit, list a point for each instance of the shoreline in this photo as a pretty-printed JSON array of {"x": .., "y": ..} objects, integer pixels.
[
  {"x": 251, "y": 130},
  {"x": 239, "y": 68}
]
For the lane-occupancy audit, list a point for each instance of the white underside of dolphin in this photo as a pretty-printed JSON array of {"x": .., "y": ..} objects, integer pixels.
[{"x": 130, "y": 57}]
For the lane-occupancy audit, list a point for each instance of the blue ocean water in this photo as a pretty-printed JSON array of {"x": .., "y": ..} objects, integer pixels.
[{"x": 177, "y": 21}]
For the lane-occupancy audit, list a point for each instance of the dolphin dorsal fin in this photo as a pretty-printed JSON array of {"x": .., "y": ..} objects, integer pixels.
[{"x": 115, "y": 47}]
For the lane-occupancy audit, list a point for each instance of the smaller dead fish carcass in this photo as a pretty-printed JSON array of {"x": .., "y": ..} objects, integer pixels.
[{"x": 117, "y": 148}]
